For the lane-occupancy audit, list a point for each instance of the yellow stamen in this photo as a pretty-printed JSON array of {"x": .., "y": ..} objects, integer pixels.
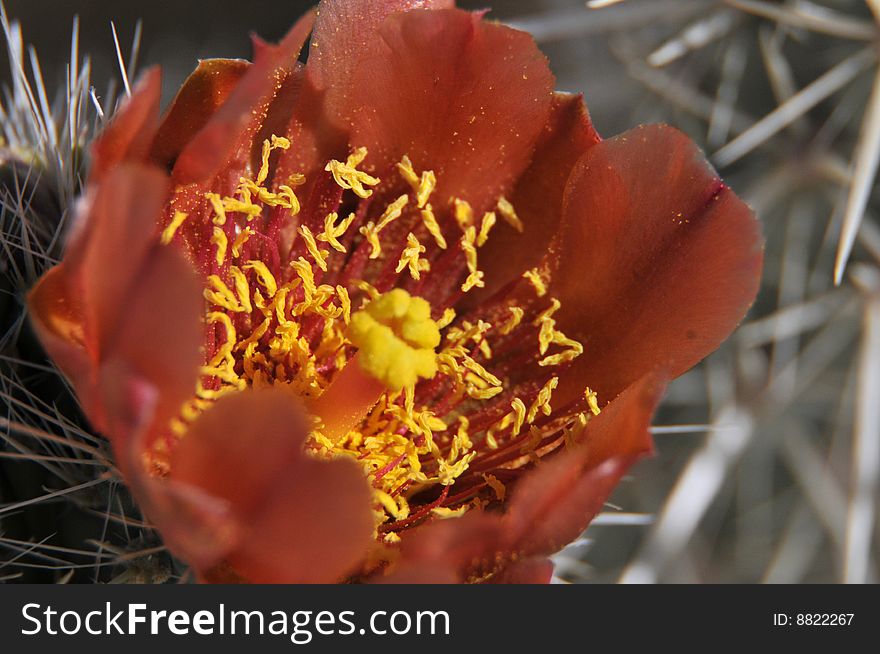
[
  {"x": 332, "y": 231},
  {"x": 433, "y": 226},
  {"x": 348, "y": 176},
  {"x": 410, "y": 258},
  {"x": 320, "y": 256},
  {"x": 489, "y": 221},
  {"x": 464, "y": 214},
  {"x": 219, "y": 239},
  {"x": 169, "y": 232},
  {"x": 219, "y": 210},
  {"x": 267, "y": 279},
  {"x": 537, "y": 281},
  {"x": 509, "y": 214},
  {"x": 240, "y": 240}
]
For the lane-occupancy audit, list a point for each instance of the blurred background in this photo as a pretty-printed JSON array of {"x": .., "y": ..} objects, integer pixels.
[{"x": 768, "y": 453}]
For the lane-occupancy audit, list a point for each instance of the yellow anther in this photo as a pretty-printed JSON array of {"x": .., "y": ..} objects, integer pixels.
[
  {"x": 345, "y": 303},
  {"x": 447, "y": 318},
  {"x": 348, "y": 176},
  {"x": 537, "y": 281},
  {"x": 369, "y": 232},
  {"x": 267, "y": 279},
  {"x": 516, "y": 316},
  {"x": 445, "y": 513},
  {"x": 519, "y": 410},
  {"x": 396, "y": 338},
  {"x": 219, "y": 210},
  {"x": 422, "y": 186},
  {"x": 224, "y": 350},
  {"x": 320, "y": 256},
  {"x": 499, "y": 488},
  {"x": 542, "y": 402},
  {"x": 240, "y": 240},
  {"x": 276, "y": 143},
  {"x": 304, "y": 269},
  {"x": 219, "y": 293},
  {"x": 368, "y": 288},
  {"x": 488, "y": 223},
  {"x": 246, "y": 207},
  {"x": 332, "y": 231},
  {"x": 255, "y": 335},
  {"x": 433, "y": 226},
  {"x": 219, "y": 239},
  {"x": 509, "y": 214},
  {"x": 408, "y": 173},
  {"x": 392, "y": 212},
  {"x": 242, "y": 288},
  {"x": 592, "y": 401},
  {"x": 469, "y": 248},
  {"x": 169, "y": 232},
  {"x": 225, "y": 375},
  {"x": 464, "y": 213},
  {"x": 410, "y": 258},
  {"x": 475, "y": 279}
]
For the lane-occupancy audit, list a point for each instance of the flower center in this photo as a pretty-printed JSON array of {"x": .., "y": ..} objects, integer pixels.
[{"x": 395, "y": 382}]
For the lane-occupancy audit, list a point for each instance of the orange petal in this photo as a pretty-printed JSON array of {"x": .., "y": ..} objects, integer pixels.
[
  {"x": 537, "y": 197},
  {"x": 658, "y": 261},
  {"x": 115, "y": 239},
  {"x": 447, "y": 551},
  {"x": 57, "y": 317},
  {"x": 536, "y": 570},
  {"x": 157, "y": 333},
  {"x": 299, "y": 520},
  {"x": 462, "y": 97},
  {"x": 202, "y": 94},
  {"x": 551, "y": 505},
  {"x": 343, "y": 32},
  {"x": 130, "y": 133},
  {"x": 227, "y": 138}
]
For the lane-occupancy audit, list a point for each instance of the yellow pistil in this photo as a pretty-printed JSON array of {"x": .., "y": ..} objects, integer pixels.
[
  {"x": 348, "y": 176},
  {"x": 396, "y": 338}
]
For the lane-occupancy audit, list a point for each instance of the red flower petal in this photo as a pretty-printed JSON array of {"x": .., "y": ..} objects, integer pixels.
[
  {"x": 202, "y": 94},
  {"x": 130, "y": 133},
  {"x": 344, "y": 31},
  {"x": 299, "y": 520},
  {"x": 57, "y": 316},
  {"x": 120, "y": 298},
  {"x": 537, "y": 197},
  {"x": 446, "y": 551},
  {"x": 157, "y": 332},
  {"x": 658, "y": 260},
  {"x": 115, "y": 237},
  {"x": 462, "y": 97},
  {"x": 556, "y": 501},
  {"x": 537, "y": 570},
  {"x": 228, "y": 137}
]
